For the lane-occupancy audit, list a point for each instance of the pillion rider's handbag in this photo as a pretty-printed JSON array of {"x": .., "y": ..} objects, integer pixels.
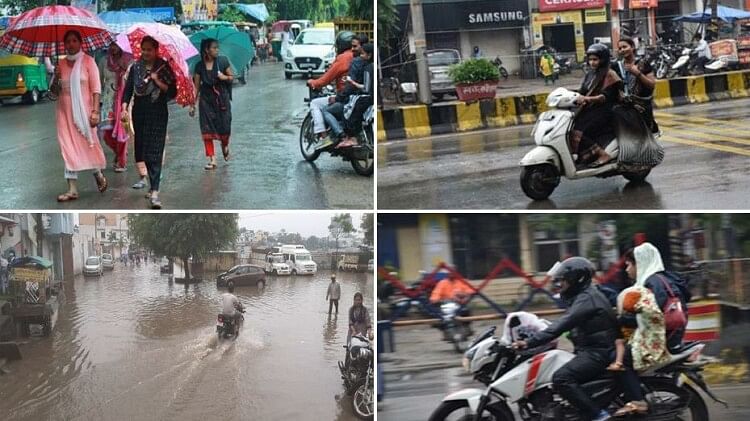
[{"x": 674, "y": 313}]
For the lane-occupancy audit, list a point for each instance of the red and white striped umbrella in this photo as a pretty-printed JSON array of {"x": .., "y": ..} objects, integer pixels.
[{"x": 39, "y": 32}]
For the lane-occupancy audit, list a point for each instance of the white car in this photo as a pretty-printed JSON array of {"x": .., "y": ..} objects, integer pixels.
[
  {"x": 313, "y": 51},
  {"x": 93, "y": 266},
  {"x": 108, "y": 262}
]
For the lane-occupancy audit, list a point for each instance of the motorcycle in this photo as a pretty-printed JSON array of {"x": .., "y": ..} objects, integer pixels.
[
  {"x": 503, "y": 71},
  {"x": 722, "y": 63},
  {"x": 226, "y": 326},
  {"x": 454, "y": 331},
  {"x": 362, "y": 156},
  {"x": 542, "y": 167},
  {"x": 517, "y": 377},
  {"x": 685, "y": 62},
  {"x": 357, "y": 373}
]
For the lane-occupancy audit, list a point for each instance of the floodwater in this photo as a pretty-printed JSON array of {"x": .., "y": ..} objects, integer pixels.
[{"x": 133, "y": 345}]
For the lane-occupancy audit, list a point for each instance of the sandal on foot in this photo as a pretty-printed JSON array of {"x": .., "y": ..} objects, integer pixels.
[
  {"x": 209, "y": 167},
  {"x": 101, "y": 182},
  {"x": 120, "y": 169},
  {"x": 616, "y": 366},
  {"x": 67, "y": 197},
  {"x": 630, "y": 408},
  {"x": 225, "y": 152},
  {"x": 140, "y": 184},
  {"x": 155, "y": 203}
]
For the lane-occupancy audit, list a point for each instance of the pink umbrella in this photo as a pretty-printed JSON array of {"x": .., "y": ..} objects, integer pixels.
[
  {"x": 174, "y": 47},
  {"x": 39, "y": 32}
]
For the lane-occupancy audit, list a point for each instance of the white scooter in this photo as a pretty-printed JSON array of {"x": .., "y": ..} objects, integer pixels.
[
  {"x": 542, "y": 167},
  {"x": 682, "y": 66}
]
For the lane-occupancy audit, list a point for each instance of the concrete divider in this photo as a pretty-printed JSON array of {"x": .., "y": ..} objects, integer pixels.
[{"x": 416, "y": 121}]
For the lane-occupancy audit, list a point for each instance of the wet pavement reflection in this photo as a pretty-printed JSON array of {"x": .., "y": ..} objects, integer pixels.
[{"x": 133, "y": 345}]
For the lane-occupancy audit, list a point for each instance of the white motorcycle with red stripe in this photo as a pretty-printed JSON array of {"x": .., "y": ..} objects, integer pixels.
[{"x": 513, "y": 377}]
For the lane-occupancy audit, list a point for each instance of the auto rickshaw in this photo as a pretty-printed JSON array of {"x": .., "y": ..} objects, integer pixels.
[
  {"x": 22, "y": 76},
  {"x": 35, "y": 300}
]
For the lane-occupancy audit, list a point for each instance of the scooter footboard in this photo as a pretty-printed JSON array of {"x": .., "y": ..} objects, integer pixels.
[{"x": 541, "y": 155}]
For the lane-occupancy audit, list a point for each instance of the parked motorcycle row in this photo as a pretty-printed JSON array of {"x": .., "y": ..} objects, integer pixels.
[{"x": 677, "y": 60}]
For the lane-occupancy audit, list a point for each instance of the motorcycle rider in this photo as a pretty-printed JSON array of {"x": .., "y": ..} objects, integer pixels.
[
  {"x": 644, "y": 262},
  {"x": 333, "y": 114},
  {"x": 360, "y": 101},
  {"x": 702, "y": 51},
  {"x": 451, "y": 289},
  {"x": 639, "y": 81},
  {"x": 593, "y": 129},
  {"x": 593, "y": 326},
  {"x": 345, "y": 55},
  {"x": 231, "y": 306}
]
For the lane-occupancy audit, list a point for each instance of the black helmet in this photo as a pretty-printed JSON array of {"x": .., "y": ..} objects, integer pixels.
[
  {"x": 344, "y": 41},
  {"x": 576, "y": 271},
  {"x": 599, "y": 50}
]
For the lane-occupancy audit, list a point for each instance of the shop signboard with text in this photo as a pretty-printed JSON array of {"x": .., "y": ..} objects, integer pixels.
[
  {"x": 475, "y": 15},
  {"x": 562, "y": 5},
  {"x": 644, "y": 4}
]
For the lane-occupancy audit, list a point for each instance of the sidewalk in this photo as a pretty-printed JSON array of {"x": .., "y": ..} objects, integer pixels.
[{"x": 515, "y": 86}]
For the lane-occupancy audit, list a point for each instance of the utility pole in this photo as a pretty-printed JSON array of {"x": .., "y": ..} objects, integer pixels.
[{"x": 420, "y": 46}]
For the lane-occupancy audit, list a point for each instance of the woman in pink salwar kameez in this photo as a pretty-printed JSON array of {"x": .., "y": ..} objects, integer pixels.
[{"x": 78, "y": 88}]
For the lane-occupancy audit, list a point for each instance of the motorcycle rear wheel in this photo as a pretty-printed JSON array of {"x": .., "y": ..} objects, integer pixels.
[
  {"x": 366, "y": 167},
  {"x": 451, "y": 411},
  {"x": 363, "y": 403},
  {"x": 307, "y": 141}
]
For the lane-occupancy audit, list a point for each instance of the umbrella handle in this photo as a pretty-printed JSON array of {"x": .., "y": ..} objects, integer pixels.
[{"x": 156, "y": 71}]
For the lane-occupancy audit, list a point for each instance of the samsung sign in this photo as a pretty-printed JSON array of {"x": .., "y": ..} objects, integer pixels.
[
  {"x": 475, "y": 14},
  {"x": 496, "y": 17}
]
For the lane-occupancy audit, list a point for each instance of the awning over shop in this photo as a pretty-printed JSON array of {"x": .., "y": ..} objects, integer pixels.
[
  {"x": 255, "y": 11},
  {"x": 7, "y": 221},
  {"x": 727, "y": 14}
]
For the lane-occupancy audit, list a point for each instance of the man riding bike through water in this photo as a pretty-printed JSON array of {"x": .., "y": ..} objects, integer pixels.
[
  {"x": 345, "y": 46},
  {"x": 231, "y": 306},
  {"x": 593, "y": 329}
]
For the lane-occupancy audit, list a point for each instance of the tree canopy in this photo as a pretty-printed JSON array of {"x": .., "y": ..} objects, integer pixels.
[{"x": 184, "y": 235}]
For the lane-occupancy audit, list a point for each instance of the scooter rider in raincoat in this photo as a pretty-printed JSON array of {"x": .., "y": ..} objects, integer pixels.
[{"x": 593, "y": 328}]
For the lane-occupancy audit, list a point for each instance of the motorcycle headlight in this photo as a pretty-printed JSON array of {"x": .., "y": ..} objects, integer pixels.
[{"x": 465, "y": 362}]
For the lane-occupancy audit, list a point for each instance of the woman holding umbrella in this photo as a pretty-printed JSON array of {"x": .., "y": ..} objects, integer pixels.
[
  {"x": 151, "y": 84},
  {"x": 78, "y": 89},
  {"x": 213, "y": 87},
  {"x": 112, "y": 69}
]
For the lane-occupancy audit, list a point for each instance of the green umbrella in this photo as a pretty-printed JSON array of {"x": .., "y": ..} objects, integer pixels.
[{"x": 233, "y": 44}]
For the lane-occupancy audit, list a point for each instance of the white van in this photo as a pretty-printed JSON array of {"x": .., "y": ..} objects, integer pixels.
[
  {"x": 298, "y": 258},
  {"x": 275, "y": 264}
]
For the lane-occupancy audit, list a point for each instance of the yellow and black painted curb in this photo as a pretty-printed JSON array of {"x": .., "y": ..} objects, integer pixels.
[{"x": 418, "y": 121}]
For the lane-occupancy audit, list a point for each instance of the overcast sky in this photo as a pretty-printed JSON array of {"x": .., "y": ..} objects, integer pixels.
[{"x": 307, "y": 224}]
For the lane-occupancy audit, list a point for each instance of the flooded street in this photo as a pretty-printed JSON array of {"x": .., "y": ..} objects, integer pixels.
[{"x": 133, "y": 345}]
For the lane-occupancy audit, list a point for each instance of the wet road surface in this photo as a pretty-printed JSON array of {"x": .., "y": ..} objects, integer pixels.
[
  {"x": 266, "y": 169},
  {"x": 707, "y": 148},
  {"x": 132, "y": 345}
]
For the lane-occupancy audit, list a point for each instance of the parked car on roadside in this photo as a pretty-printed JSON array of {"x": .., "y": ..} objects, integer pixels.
[
  {"x": 438, "y": 63},
  {"x": 93, "y": 266},
  {"x": 108, "y": 262},
  {"x": 242, "y": 275}
]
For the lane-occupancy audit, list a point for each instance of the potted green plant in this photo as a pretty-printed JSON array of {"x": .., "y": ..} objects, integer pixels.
[{"x": 475, "y": 79}]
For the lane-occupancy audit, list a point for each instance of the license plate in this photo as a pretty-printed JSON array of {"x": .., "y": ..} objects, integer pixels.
[{"x": 307, "y": 66}]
